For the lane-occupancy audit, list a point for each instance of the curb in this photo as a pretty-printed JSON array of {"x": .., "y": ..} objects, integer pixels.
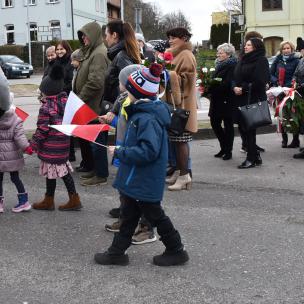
[{"x": 206, "y": 133}]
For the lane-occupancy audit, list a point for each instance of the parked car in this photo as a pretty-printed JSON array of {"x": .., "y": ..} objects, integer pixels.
[{"x": 13, "y": 66}]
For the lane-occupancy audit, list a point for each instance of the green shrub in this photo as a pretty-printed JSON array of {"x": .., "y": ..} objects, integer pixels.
[
  {"x": 205, "y": 58},
  {"x": 17, "y": 50}
]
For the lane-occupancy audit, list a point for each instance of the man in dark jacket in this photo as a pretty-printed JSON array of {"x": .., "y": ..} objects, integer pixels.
[{"x": 89, "y": 81}]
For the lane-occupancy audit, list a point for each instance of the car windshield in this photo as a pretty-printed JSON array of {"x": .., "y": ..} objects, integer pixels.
[{"x": 12, "y": 59}]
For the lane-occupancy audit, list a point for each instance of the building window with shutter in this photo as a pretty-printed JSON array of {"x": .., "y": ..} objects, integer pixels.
[
  {"x": 7, "y": 3},
  {"x": 272, "y": 5},
  {"x": 33, "y": 32},
  {"x": 55, "y": 29},
  {"x": 10, "y": 34}
]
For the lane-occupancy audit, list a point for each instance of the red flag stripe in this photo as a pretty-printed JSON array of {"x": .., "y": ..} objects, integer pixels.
[
  {"x": 21, "y": 114},
  {"x": 83, "y": 115},
  {"x": 90, "y": 132}
]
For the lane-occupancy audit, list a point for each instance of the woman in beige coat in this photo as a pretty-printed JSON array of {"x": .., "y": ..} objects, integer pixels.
[{"x": 182, "y": 81}]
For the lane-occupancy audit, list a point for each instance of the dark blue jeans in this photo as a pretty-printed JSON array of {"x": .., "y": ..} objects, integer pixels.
[
  {"x": 15, "y": 179},
  {"x": 100, "y": 155}
]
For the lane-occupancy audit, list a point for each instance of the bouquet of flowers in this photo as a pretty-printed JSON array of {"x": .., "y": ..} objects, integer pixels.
[
  {"x": 289, "y": 108},
  {"x": 205, "y": 80}
]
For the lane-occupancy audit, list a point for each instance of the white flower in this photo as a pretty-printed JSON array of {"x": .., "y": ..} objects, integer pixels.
[
  {"x": 198, "y": 81},
  {"x": 205, "y": 70},
  {"x": 212, "y": 69}
]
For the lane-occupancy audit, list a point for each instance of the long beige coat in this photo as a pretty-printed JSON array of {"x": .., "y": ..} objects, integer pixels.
[{"x": 185, "y": 69}]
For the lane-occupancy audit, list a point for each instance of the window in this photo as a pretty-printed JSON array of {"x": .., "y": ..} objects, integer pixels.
[
  {"x": 97, "y": 5},
  {"x": 33, "y": 31},
  {"x": 10, "y": 34},
  {"x": 55, "y": 29},
  {"x": 272, "y": 5},
  {"x": 30, "y": 2},
  {"x": 7, "y": 3}
]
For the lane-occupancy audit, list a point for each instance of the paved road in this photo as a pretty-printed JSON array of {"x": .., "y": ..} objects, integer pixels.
[
  {"x": 35, "y": 79},
  {"x": 244, "y": 230}
]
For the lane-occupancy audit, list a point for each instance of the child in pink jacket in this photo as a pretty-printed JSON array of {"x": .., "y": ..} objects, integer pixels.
[{"x": 12, "y": 144}]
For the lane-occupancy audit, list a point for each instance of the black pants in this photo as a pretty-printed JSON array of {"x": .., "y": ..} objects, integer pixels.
[
  {"x": 224, "y": 135},
  {"x": 101, "y": 155},
  {"x": 250, "y": 137},
  {"x": 15, "y": 179},
  {"x": 86, "y": 154},
  {"x": 131, "y": 211}
]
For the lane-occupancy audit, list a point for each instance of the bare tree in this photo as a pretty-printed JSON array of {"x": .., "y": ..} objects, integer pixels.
[
  {"x": 233, "y": 5},
  {"x": 175, "y": 19}
]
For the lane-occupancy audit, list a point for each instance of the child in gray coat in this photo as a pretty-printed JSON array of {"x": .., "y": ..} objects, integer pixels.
[{"x": 12, "y": 144}]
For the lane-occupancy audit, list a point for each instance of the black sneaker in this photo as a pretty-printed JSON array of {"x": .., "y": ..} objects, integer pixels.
[
  {"x": 299, "y": 155},
  {"x": 171, "y": 258},
  {"x": 115, "y": 212},
  {"x": 106, "y": 258}
]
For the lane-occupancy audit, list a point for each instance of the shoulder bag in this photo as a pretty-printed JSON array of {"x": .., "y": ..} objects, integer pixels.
[
  {"x": 254, "y": 115},
  {"x": 179, "y": 117}
]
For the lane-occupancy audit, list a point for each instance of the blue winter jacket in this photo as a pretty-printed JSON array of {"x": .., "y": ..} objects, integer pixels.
[
  {"x": 144, "y": 153},
  {"x": 289, "y": 65}
]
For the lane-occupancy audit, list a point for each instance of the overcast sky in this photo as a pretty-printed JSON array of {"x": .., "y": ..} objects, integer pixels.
[{"x": 198, "y": 12}]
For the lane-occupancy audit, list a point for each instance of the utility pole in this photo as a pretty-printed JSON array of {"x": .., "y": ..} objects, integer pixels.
[
  {"x": 122, "y": 10},
  {"x": 138, "y": 19},
  {"x": 229, "y": 34},
  {"x": 72, "y": 19},
  {"x": 29, "y": 32}
]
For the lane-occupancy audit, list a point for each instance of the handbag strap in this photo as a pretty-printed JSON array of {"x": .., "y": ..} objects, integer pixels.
[{"x": 249, "y": 93}]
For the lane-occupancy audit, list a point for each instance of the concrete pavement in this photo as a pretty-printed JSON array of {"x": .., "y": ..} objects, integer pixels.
[{"x": 244, "y": 230}]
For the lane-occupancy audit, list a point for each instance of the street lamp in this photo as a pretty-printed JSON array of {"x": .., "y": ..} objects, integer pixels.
[{"x": 29, "y": 33}]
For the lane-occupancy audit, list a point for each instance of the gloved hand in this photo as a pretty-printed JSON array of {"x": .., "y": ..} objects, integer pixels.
[{"x": 28, "y": 150}]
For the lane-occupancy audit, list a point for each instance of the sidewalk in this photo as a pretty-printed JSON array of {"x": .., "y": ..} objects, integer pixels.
[{"x": 243, "y": 230}]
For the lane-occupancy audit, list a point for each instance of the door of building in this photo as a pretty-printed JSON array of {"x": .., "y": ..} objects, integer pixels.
[{"x": 272, "y": 45}]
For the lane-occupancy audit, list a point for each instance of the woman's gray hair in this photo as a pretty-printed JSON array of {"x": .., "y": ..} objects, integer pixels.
[{"x": 227, "y": 48}]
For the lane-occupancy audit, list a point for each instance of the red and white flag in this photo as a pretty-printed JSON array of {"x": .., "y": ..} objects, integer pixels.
[
  {"x": 87, "y": 132},
  {"x": 77, "y": 112},
  {"x": 20, "y": 113}
]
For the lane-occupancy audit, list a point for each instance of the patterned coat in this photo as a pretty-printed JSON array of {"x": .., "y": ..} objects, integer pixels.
[
  {"x": 51, "y": 145},
  {"x": 12, "y": 142}
]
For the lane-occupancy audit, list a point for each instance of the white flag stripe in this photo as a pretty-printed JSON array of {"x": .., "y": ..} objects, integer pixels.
[
  {"x": 73, "y": 104},
  {"x": 65, "y": 129}
]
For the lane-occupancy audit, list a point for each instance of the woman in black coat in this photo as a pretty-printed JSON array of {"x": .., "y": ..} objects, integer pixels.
[
  {"x": 222, "y": 99},
  {"x": 63, "y": 52},
  {"x": 252, "y": 70}
]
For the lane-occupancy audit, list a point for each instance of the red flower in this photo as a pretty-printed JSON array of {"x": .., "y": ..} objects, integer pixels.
[{"x": 168, "y": 56}]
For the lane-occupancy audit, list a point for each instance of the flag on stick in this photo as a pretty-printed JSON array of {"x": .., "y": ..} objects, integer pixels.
[
  {"x": 77, "y": 112},
  {"x": 20, "y": 113},
  {"x": 87, "y": 132}
]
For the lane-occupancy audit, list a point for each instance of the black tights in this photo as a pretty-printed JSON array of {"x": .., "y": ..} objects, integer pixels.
[
  {"x": 68, "y": 181},
  {"x": 15, "y": 179},
  {"x": 182, "y": 157}
]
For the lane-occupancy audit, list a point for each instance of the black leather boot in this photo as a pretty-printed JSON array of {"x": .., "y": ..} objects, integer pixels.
[
  {"x": 284, "y": 140},
  {"x": 295, "y": 142}
]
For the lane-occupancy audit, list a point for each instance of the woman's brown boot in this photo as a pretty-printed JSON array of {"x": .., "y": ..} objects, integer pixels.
[
  {"x": 73, "y": 204},
  {"x": 46, "y": 204}
]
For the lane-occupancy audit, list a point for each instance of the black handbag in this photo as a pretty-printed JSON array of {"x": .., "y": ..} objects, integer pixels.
[
  {"x": 254, "y": 115},
  {"x": 179, "y": 119}
]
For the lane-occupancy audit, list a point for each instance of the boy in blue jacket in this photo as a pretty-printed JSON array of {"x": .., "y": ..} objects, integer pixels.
[{"x": 141, "y": 175}]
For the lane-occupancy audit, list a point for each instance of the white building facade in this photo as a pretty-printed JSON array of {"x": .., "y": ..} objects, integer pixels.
[
  {"x": 276, "y": 20},
  {"x": 48, "y": 19}
]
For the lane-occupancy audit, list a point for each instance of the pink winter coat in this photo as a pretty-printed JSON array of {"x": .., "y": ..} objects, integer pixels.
[{"x": 12, "y": 142}]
